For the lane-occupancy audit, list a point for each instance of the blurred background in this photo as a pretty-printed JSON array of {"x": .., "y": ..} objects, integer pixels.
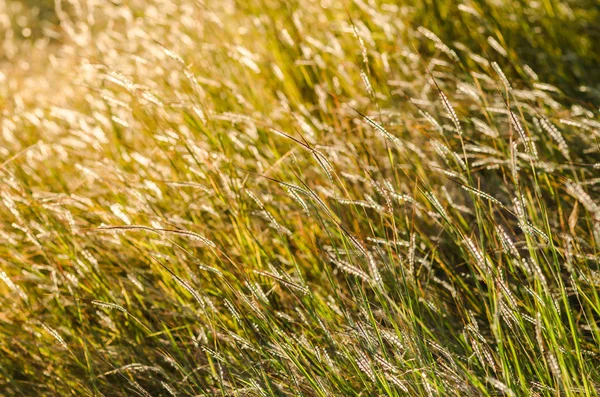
[{"x": 560, "y": 40}]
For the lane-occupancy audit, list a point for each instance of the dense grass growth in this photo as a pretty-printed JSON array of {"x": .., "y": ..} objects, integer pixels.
[{"x": 300, "y": 198}]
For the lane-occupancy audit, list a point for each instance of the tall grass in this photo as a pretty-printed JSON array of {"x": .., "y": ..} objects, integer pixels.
[{"x": 303, "y": 198}]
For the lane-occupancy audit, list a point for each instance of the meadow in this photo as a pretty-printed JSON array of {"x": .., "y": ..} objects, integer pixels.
[{"x": 299, "y": 198}]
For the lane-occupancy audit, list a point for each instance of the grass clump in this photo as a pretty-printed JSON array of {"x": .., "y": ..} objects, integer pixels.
[{"x": 315, "y": 198}]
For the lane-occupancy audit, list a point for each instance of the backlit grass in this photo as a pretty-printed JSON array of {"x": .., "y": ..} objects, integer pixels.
[{"x": 300, "y": 198}]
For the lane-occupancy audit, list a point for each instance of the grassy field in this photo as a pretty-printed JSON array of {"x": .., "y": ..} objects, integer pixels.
[{"x": 300, "y": 198}]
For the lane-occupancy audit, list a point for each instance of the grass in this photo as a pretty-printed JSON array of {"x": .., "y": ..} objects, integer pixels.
[{"x": 300, "y": 198}]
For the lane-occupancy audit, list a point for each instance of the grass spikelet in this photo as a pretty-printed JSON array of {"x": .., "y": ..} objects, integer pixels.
[
  {"x": 497, "y": 46},
  {"x": 501, "y": 387},
  {"x": 56, "y": 336},
  {"x": 360, "y": 203},
  {"x": 12, "y": 286},
  {"x": 108, "y": 305},
  {"x": 517, "y": 126},
  {"x": 481, "y": 194},
  {"x": 367, "y": 82},
  {"x": 348, "y": 268},
  {"x": 324, "y": 164},
  {"x": 189, "y": 289},
  {"x": 432, "y": 121},
  {"x": 139, "y": 388},
  {"x": 232, "y": 310},
  {"x": 581, "y": 195},
  {"x": 304, "y": 290},
  {"x": 308, "y": 193},
  {"x": 168, "y": 388},
  {"x": 451, "y": 111},
  {"x": 299, "y": 200},
  {"x": 507, "y": 243},
  {"x": 502, "y": 76},
  {"x": 194, "y": 236},
  {"x": 438, "y": 42},
  {"x": 436, "y": 204},
  {"x": 363, "y": 48},
  {"x": 530, "y": 72},
  {"x": 371, "y": 261},
  {"x": 484, "y": 128},
  {"x": 273, "y": 222},
  {"x": 482, "y": 262},
  {"x": 382, "y": 130},
  {"x": 557, "y": 136},
  {"x": 364, "y": 363}
]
